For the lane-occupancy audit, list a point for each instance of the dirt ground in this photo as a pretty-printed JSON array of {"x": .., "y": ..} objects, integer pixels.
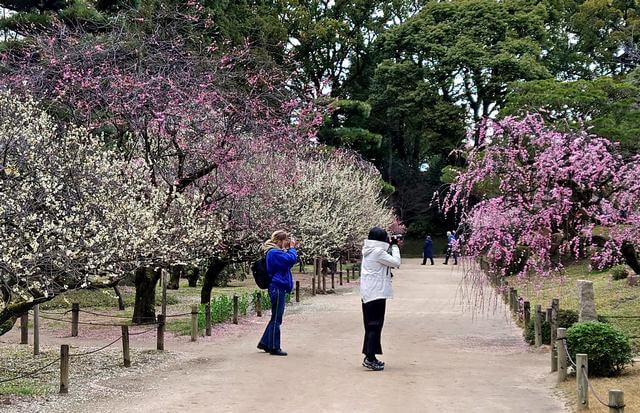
[{"x": 438, "y": 359}]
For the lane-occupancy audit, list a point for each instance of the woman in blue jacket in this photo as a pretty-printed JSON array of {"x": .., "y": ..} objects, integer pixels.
[{"x": 281, "y": 256}]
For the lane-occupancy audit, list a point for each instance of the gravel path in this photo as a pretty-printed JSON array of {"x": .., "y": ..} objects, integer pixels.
[{"x": 438, "y": 358}]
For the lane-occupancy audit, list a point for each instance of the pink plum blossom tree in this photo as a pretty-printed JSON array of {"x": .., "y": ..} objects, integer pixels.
[{"x": 542, "y": 195}]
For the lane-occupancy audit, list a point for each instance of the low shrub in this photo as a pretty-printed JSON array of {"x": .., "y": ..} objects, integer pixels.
[
  {"x": 565, "y": 319},
  {"x": 608, "y": 348},
  {"x": 222, "y": 306},
  {"x": 619, "y": 272},
  {"x": 530, "y": 332}
]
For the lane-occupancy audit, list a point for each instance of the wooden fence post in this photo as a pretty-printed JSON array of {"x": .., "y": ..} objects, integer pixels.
[
  {"x": 333, "y": 283},
  {"x": 527, "y": 314},
  {"x": 323, "y": 272},
  {"x": 207, "y": 318},
  {"x": 64, "y": 369},
  {"x": 582, "y": 381},
  {"x": 537, "y": 323},
  {"x": 24, "y": 328},
  {"x": 348, "y": 276},
  {"x": 616, "y": 401},
  {"x": 340, "y": 274},
  {"x": 562, "y": 355},
  {"x": 504, "y": 290},
  {"x": 235, "y": 309},
  {"x": 125, "y": 346},
  {"x": 194, "y": 322},
  {"x": 75, "y": 317},
  {"x": 297, "y": 291},
  {"x": 36, "y": 329},
  {"x": 160, "y": 344},
  {"x": 164, "y": 292},
  {"x": 259, "y": 303},
  {"x": 313, "y": 285},
  {"x": 547, "y": 316},
  {"x": 555, "y": 305}
]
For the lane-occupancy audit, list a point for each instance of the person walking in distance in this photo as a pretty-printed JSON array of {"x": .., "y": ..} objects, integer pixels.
[
  {"x": 375, "y": 289},
  {"x": 451, "y": 248},
  {"x": 281, "y": 255},
  {"x": 427, "y": 250}
]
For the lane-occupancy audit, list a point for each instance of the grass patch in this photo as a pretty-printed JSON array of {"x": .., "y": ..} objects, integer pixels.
[
  {"x": 613, "y": 298},
  {"x": 18, "y": 361},
  {"x": 628, "y": 381},
  {"x": 25, "y": 387}
]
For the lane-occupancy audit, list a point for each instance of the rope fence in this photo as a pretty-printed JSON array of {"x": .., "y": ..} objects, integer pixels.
[
  {"x": 586, "y": 377},
  {"x": 104, "y": 315},
  {"x": 158, "y": 325},
  {"x": 561, "y": 358},
  {"x": 96, "y": 350},
  {"x": 31, "y": 373},
  {"x": 584, "y": 385}
]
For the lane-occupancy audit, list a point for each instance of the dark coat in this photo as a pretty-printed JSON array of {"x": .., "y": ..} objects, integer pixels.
[{"x": 427, "y": 249}]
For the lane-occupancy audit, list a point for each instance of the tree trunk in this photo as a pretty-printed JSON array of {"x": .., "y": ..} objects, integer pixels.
[
  {"x": 631, "y": 257},
  {"x": 193, "y": 275},
  {"x": 174, "y": 278},
  {"x": 211, "y": 279},
  {"x": 7, "y": 325},
  {"x": 120, "y": 299},
  {"x": 144, "y": 310}
]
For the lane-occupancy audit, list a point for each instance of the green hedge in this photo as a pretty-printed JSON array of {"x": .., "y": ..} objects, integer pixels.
[
  {"x": 608, "y": 349},
  {"x": 565, "y": 318}
]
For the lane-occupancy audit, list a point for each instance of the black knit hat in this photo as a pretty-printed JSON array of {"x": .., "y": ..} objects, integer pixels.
[{"x": 378, "y": 234}]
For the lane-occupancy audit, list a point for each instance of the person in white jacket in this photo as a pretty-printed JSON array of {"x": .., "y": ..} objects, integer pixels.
[{"x": 375, "y": 289}]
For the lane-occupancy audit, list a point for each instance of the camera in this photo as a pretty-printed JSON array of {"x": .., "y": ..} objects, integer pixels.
[{"x": 395, "y": 238}]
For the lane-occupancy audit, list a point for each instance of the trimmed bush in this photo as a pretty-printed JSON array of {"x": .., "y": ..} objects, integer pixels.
[
  {"x": 530, "y": 332},
  {"x": 619, "y": 272},
  {"x": 608, "y": 348},
  {"x": 565, "y": 318}
]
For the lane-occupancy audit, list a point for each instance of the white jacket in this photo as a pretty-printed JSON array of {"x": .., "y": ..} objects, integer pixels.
[{"x": 375, "y": 273}]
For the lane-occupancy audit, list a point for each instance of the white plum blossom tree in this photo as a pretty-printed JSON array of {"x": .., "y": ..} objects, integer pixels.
[
  {"x": 330, "y": 202},
  {"x": 75, "y": 214}
]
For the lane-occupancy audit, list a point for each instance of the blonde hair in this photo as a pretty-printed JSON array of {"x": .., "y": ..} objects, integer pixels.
[{"x": 279, "y": 235}]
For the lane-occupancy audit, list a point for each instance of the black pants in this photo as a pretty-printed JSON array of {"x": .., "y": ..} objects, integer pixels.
[
  {"x": 373, "y": 314},
  {"x": 450, "y": 252},
  {"x": 424, "y": 260}
]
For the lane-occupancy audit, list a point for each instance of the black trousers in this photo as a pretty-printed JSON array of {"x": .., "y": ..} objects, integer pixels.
[
  {"x": 373, "y": 314},
  {"x": 450, "y": 252},
  {"x": 424, "y": 260}
]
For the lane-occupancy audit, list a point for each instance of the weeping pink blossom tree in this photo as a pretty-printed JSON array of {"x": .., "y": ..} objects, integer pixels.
[{"x": 541, "y": 195}]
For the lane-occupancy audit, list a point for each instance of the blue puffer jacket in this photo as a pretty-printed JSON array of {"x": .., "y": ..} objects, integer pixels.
[{"x": 279, "y": 263}]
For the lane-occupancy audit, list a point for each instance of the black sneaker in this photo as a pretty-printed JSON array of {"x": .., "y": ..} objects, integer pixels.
[
  {"x": 278, "y": 352},
  {"x": 372, "y": 365},
  {"x": 263, "y": 347}
]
